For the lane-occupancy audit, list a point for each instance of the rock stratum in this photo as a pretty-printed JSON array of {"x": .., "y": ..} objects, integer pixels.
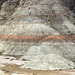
[{"x": 41, "y": 32}]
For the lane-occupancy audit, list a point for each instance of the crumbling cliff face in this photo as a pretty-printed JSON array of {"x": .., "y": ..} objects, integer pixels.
[
  {"x": 7, "y": 8},
  {"x": 70, "y": 4},
  {"x": 40, "y": 31}
]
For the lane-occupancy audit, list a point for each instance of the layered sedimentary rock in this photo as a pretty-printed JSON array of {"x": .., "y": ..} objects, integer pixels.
[{"x": 43, "y": 32}]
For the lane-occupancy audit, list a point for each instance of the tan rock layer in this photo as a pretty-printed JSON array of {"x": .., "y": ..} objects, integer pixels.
[{"x": 42, "y": 38}]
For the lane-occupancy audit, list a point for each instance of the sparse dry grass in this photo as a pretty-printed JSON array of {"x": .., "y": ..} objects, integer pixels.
[{"x": 34, "y": 73}]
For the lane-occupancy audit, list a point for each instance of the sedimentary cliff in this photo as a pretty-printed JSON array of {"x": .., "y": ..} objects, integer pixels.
[{"x": 40, "y": 31}]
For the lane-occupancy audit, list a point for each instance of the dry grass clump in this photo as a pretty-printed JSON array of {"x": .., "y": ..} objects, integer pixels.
[{"x": 34, "y": 73}]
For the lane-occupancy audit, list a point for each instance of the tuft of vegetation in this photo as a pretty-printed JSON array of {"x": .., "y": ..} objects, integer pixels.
[{"x": 34, "y": 73}]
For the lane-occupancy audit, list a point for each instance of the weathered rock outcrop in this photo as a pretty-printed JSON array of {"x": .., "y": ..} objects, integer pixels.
[
  {"x": 43, "y": 32},
  {"x": 7, "y": 8},
  {"x": 70, "y": 4}
]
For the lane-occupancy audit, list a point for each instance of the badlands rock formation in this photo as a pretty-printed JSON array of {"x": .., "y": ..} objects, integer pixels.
[{"x": 42, "y": 32}]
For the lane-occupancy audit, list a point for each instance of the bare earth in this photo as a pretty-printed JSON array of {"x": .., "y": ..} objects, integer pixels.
[
  {"x": 16, "y": 70},
  {"x": 10, "y": 66}
]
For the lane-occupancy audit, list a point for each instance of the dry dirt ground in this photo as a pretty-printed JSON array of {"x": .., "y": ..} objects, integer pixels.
[{"x": 16, "y": 70}]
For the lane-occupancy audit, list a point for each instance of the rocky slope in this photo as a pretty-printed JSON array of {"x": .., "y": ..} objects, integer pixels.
[{"x": 41, "y": 32}]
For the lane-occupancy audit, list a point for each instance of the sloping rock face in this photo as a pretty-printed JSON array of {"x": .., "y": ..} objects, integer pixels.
[
  {"x": 70, "y": 4},
  {"x": 43, "y": 32},
  {"x": 7, "y": 8}
]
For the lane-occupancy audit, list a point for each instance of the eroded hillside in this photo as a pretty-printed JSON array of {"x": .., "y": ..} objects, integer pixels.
[{"x": 38, "y": 34}]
